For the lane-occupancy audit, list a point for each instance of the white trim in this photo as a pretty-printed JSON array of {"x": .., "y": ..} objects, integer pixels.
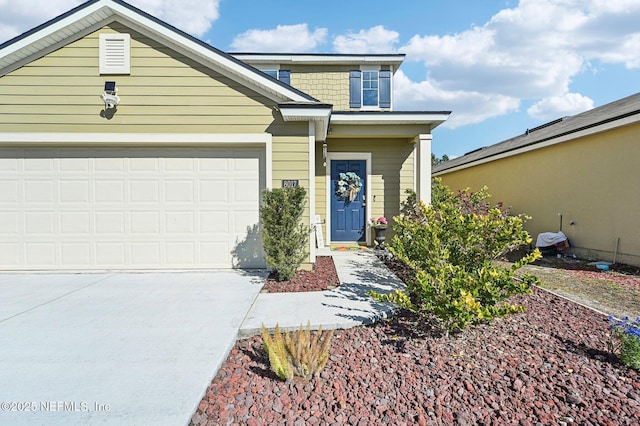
[
  {"x": 566, "y": 138},
  {"x": 328, "y": 190},
  {"x": 422, "y": 160},
  {"x": 312, "y": 190},
  {"x": 134, "y": 138},
  {"x": 390, "y": 118},
  {"x": 318, "y": 59}
]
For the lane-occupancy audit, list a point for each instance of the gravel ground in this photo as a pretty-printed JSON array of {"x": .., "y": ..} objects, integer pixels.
[
  {"x": 323, "y": 276},
  {"x": 549, "y": 365}
]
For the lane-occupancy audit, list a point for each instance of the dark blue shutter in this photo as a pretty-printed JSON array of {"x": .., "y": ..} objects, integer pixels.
[
  {"x": 385, "y": 89},
  {"x": 285, "y": 76},
  {"x": 355, "y": 89}
]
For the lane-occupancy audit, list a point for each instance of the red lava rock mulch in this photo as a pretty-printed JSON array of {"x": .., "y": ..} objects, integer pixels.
[
  {"x": 323, "y": 276},
  {"x": 549, "y": 365}
]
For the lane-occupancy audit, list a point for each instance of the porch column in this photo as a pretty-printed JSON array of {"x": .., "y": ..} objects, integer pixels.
[{"x": 422, "y": 162}]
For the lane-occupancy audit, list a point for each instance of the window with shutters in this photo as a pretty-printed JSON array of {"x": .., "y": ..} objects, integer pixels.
[
  {"x": 115, "y": 54},
  {"x": 370, "y": 88},
  {"x": 275, "y": 72}
]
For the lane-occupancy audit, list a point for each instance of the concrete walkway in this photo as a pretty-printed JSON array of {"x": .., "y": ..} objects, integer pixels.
[{"x": 344, "y": 307}]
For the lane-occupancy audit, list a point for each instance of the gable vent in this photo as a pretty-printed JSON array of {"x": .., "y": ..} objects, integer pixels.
[{"x": 115, "y": 51}]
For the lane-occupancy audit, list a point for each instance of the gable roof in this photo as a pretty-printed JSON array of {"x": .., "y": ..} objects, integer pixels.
[
  {"x": 615, "y": 114},
  {"x": 94, "y": 14}
]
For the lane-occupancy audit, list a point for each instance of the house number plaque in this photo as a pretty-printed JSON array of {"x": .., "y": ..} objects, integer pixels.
[{"x": 290, "y": 183}]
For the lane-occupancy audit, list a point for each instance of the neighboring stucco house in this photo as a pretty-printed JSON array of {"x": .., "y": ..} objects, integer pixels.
[
  {"x": 127, "y": 144},
  {"x": 579, "y": 173}
]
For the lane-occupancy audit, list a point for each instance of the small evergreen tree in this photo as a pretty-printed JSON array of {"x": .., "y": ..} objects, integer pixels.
[{"x": 284, "y": 237}]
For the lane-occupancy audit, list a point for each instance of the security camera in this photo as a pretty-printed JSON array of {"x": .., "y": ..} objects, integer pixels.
[{"x": 110, "y": 101}]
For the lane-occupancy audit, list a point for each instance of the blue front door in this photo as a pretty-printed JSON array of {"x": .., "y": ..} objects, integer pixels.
[{"x": 348, "y": 212}]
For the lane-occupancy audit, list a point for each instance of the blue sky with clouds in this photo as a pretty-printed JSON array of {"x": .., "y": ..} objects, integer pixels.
[{"x": 501, "y": 66}]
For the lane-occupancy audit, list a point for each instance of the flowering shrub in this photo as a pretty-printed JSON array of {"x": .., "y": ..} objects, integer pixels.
[
  {"x": 381, "y": 221},
  {"x": 627, "y": 333},
  {"x": 452, "y": 246}
]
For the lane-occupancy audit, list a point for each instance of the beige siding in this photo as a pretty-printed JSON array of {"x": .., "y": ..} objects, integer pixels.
[
  {"x": 591, "y": 181},
  {"x": 391, "y": 173},
  {"x": 165, "y": 92},
  {"x": 327, "y": 84}
]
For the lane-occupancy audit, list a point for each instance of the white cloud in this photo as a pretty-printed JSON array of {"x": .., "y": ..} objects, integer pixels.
[
  {"x": 529, "y": 52},
  {"x": 374, "y": 40},
  {"x": 193, "y": 16},
  {"x": 468, "y": 107},
  {"x": 560, "y": 106},
  {"x": 284, "y": 38}
]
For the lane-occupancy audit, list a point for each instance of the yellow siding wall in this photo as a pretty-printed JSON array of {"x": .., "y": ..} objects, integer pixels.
[
  {"x": 165, "y": 92},
  {"x": 592, "y": 181},
  {"x": 391, "y": 173}
]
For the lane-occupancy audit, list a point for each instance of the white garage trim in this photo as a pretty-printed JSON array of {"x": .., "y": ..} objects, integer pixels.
[{"x": 153, "y": 139}]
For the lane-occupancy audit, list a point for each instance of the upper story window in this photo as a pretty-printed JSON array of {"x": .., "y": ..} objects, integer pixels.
[
  {"x": 275, "y": 72},
  {"x": 370, "y": 89}
]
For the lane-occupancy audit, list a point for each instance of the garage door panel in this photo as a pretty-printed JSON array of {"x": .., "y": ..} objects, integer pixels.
[
  {"x": 110, "y": 223},
  {"x": 9, "y": 224},
  {"x": 40, "y": 223},
  {"x": 42, "y": 191},
  {"x": 75, "y": 223},
  {"x": 180, "y": 223},
  {"x": 109, "y": 191},
  {"x": 76, "y": 208},
  {"x": 10, "y": 254},
  {"x": 145, "y": 222},
  {"x": 179, "y": 191},
  {"x": 41, "y": 254},
  {"x": 144, "y": 191},
  {"x": 74, "y": 191},
  {"x": 75, "y": 254},
  {"x": 214, "y": 191}
]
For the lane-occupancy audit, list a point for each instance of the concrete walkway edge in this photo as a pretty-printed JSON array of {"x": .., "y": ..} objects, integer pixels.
[{"x": 344, "y": 307}]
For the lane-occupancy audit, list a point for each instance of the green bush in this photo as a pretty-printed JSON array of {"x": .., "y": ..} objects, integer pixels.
[
  {"x": 452, "y": 247},
  {"x": 284, "y": 238},
  {"x": 627, "y": 333}
]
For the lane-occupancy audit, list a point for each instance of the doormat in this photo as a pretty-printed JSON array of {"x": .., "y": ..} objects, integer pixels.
[{"x": 348, "y": 247}]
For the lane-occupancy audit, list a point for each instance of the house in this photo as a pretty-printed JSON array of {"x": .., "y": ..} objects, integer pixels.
[
  {"x": 126, "y": 144},
  {"x": 577, "y": 174}
]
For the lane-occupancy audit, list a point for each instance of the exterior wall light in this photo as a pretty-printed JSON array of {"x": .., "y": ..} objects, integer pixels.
[{"x": 110, "y": 96}]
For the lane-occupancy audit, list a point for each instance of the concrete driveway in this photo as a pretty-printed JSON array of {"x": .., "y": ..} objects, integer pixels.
[{"x": 138, "y": 349}]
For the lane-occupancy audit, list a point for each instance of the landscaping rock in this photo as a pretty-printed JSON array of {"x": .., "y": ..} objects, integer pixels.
[{"x": 549, "y": 365}]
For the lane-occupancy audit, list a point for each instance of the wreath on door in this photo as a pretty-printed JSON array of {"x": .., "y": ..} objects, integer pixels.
[{"x": 348, "y": 186}]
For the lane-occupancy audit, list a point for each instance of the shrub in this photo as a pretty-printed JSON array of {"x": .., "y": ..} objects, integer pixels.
[
  {"x": 297, "y": 353},
  {"x": 627, "y": 333},
  {"x": 284, "y": 238},
  {"x": 452, "y": 247}
]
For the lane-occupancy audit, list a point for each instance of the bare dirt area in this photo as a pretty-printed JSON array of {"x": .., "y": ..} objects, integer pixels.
[
  {"x": 550, "y": 365},
  {"x": 616, "y": 291}
]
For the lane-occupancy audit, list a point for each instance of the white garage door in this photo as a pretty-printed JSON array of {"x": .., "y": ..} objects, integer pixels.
[{"x": 130, "y": 208}]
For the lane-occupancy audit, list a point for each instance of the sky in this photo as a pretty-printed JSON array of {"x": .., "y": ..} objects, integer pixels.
[{"x": 500, "y": 66}]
